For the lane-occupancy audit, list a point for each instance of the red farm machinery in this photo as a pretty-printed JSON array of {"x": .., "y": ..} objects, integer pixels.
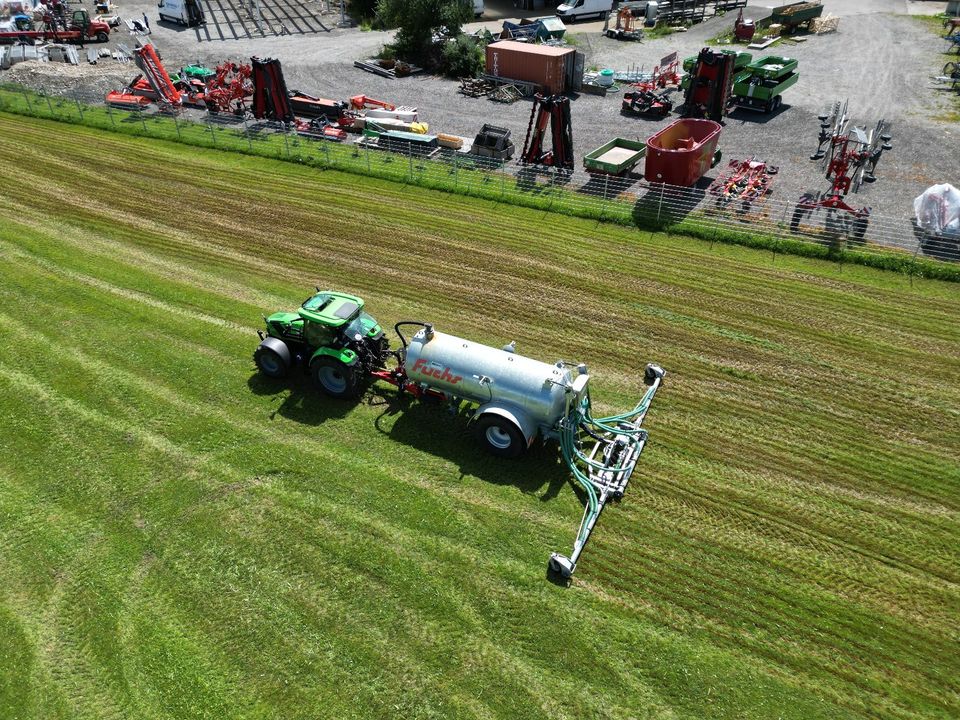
[
  {"x": 645, "y": 98},
  {"x": 56, "y": 27},
  {"x": 744, "y": 183},
  {"x": 553, "y": 112},
  {"x": 849, "y": 157}
]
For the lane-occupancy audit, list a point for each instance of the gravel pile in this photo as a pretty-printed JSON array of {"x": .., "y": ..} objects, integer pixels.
[{"x": 89, "y": 83}]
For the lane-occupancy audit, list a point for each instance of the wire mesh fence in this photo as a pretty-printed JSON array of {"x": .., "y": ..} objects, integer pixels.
[{"x": 705, "y": 212}]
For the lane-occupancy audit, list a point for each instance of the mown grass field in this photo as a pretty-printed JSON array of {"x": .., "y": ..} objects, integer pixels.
[{"x": 180, "y": 538}]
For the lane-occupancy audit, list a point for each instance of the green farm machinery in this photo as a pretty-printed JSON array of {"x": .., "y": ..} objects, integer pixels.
[
  {"x": 760, "y": 85},
  {"x": 510, "y": 399},
  {"x": 754, "y": 84}
]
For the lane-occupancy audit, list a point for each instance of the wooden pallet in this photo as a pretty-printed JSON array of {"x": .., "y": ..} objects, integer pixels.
[{"x": 475, "y": 87}]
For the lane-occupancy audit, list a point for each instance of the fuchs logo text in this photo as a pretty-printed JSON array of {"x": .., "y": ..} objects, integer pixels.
[{"x": 421, "y": 367}]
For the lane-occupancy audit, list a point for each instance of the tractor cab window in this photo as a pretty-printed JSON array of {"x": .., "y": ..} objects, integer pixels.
[
  {"x": 317, "y": 334},
  {"x": 360, "y": 325}
]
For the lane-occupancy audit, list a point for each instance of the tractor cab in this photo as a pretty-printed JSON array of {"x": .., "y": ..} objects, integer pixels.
[{"x": 331, "y": 335}]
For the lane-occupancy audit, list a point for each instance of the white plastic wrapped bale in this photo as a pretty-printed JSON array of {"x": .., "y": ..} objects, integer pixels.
[{"x": 937, "y": 210}]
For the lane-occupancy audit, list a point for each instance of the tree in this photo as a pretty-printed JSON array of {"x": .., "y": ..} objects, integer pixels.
[{"x": 418, "y": 21}]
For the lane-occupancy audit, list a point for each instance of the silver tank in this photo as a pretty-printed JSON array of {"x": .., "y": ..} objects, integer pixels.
[{"x": 484, "y": 374}]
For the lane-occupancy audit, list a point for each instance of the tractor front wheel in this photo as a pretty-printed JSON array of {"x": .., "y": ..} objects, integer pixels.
[
  {"x": 270, "y": 362},
  {"x": 334, "y": 378},
  {"x": 500, "y": 436}
]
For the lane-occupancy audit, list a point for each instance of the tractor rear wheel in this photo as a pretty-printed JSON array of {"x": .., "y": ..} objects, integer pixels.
[
  {"x": 500, "y": 436},
  {"x": 270, "y": 362},
  {"x": 334, "y": 378}
]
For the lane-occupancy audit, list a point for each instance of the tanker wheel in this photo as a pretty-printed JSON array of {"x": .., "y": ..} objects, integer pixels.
[
  {"x": 334, "y": 378},
  {"x": 500, "y": 436}
]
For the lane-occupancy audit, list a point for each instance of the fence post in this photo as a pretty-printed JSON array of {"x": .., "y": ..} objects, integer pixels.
[
  {"x": 286, "y": 142},
  {"x": 913, "y": 264},
  {"x": 246, "y": 134},
  {"x": 366, "y": 149},
  {"x": 49, "y": 104},
  {"x": 76, "y": 99},
  {"x": 26, "y": 96},
  {"x": 110, "y": 113},
  {"x": 606, "y": 187},
  {"x": 455, "y": 170},
  {"x": 660, "y": 204},
  {"x": 176, "y": 124},
  {"x": 213, "y": 135},
  {"x": 503, "y": 177},
  {"x": 143, "y": 122},
  {"x": 326, "y": 152},
  {"x": 410, "y": 162}
]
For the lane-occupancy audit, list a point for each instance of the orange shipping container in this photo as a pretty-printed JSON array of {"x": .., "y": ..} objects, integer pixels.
[{"x": 544, "y": 65}]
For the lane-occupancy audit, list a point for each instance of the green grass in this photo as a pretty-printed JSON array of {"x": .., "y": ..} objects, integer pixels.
[{"x": 184, "y": 539}]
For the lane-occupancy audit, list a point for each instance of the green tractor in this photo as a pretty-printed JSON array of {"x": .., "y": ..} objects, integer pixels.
[{"x": 331, "y": 336}]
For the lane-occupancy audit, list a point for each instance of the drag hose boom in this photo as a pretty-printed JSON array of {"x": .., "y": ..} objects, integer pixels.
[{"x": 604, "y": 470}]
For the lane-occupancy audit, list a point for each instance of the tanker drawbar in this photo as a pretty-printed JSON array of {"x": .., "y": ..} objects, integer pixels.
[{"x": 514, "y": 399}]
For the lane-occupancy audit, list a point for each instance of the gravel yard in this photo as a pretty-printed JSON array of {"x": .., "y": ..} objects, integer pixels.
[{"x": 880, "y": 61}]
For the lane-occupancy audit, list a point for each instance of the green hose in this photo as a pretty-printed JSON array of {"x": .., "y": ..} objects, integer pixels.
[{"x": 573, "y": 456}]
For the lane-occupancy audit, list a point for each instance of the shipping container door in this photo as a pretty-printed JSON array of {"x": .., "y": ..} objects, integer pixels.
[{"x": 575, "y": 80}]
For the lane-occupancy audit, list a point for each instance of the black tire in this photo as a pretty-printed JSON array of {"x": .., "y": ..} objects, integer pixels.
[
  {"x": 102, "y": 37},
  {"x": 271, "y": 363},
  {"x": 335, "y": 379},
  {"x": 717, "y": 156},
  {"x": 833, "y": 229},
  {"x": 500, "y": 436},
  {"x": 777, "y": 101},
  {"x": 858, "y": 228},
  {"x": 949, "y": 69},
  {"x": 798, "y": 214}
]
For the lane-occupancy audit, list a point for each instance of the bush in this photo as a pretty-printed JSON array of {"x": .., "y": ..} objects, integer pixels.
[
  {"x": 362, "y": 10},
  {"x": 462, "y": 57},
  {"x": 418, "y": 21}
]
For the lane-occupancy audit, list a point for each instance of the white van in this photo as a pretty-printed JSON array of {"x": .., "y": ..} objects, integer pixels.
[
  {"x": 182, "y": 12},
  {"x": 576, "y": 9},
  {"x": 477, "y": 8}
]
